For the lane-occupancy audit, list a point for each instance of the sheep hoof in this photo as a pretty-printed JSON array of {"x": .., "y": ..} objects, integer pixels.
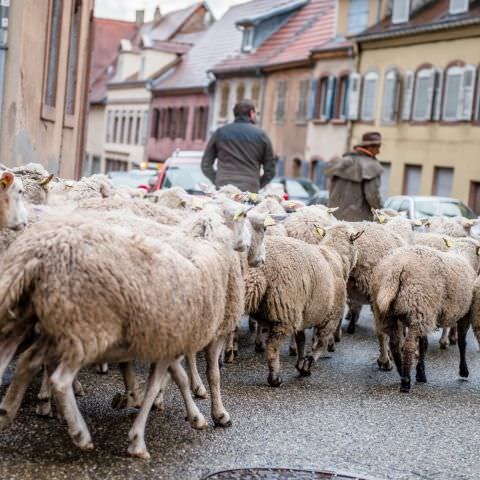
[
  {"x": 274, "y": 381},
  {"x": 259, "y": 347},
  {"x": 464, "y": 372},
  {"x": 331, "y": 347},
  {"x": 200, "y": 392},
  {"x": 223, "y": 421},
  {"x": 351, "y": 327},
  {"x": 159, "y": 405},
  {"x": 119, "y": 401},
  {"x": 235, "y": 353},
  {"x": 102, "y": 368},
  {"x": 143, "y": 454},
  {"x": 338, "y": 338},
  {"x": 385, "y": 366},
  {"x": 443, "y": 345},
  {"x": 82, "y": 440},
  {"x": 304, "y": 366},
  {"x": 405, "y": 385},
  {"x": 44, "y": 408},
  {"x": 78, "y": 389},
  {"x": 252, "y": 326},
  {"x": 452, "y": 341},
  {"x": 421, "y": 377},
  {"x": 198, "y": 422},
  {"x": 292, "y": 351},
  {"x": 229, "y": 356}
]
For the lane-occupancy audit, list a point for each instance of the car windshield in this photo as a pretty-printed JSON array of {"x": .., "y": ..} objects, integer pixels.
[
  {"x": 188, "y": 176},
  {"x": 429, "y": 208},
  {"x": 133, "y": 178}
]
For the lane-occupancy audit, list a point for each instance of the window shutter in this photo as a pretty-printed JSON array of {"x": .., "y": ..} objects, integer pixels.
[
  {"x": 437, "y": 103},
  {"x": 330, "y": 97},
  {"x": 476, "y": 115},
  {"x": 354, "y": 96},
  {"x": 468, "y": 83},
  {"x": 313, "y": 94},
  {"x": 407, "y": 95},
  {"x": 369, "y": 96},
  {"x": 422, "y": 104},
  {"x": 401, "y": 11},
  {"x": 458, "y": 6},
  {"x": 390, "y": 96}
]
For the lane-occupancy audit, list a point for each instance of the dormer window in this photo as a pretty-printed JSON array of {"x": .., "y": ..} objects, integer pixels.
[
  {"x": 458, "y": 6},
  {"x": 401, "y": 11},
  {"x": 248, "y": 35}
]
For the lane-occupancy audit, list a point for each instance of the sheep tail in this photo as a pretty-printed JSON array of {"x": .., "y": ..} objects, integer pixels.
[
  {"x": 389, "y": 289},
  {"x": 16, "y": 279},
  {"x": 255, "y": 288}
]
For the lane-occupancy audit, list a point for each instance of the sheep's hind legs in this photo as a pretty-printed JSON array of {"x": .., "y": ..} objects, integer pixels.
[
  {"x": 422, "y": 348},
  {"x": 462, "y": 328},
  {"x": 304, "y": 368},
  {"x": 275, "y": 341},
  {"x": 196, "y": 384},
  {"x": 409, "y": 348},
  {"x": 133, "y": 396}
]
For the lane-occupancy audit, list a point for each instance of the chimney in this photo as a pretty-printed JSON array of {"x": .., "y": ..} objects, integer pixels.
[
  {"x": 157, "y": 15},
  {"x": 139, "y": 17}
]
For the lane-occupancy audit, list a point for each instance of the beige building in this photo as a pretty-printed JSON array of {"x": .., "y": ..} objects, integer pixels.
[
  {"x": 420, "y": 87},
  {"x": 45, "y": 83}
]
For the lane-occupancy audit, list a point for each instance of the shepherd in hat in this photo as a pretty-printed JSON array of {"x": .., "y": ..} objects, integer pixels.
[{"x": 355, "y": 180}]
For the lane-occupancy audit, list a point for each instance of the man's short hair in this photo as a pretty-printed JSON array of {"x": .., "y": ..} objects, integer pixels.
[{"x": 243, "y": 108}]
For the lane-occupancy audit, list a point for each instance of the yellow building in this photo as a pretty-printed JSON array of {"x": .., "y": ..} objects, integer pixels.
[{"x": 418, "y": 85}]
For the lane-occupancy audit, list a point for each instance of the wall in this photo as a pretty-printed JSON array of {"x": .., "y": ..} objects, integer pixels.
[
  {"x": 289, "y": 137},
  {"x": 155, "y": 61},
  {"x": 161, "y": 149},
  {"x": 432, "y": 144},
  {"x": 25, "y": 136},
  {"x": 95, "y": 134}
]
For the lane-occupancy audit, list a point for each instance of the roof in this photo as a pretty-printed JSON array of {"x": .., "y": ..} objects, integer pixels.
[
  {"x": 259, "y": 18},
  {"x": 311, "y": 26},
  {"x": 107, "y": 35},
  {"x": 172, "y": 22},
  {"x": 432, "y": 16},
  {"x": 223, "y": 38}
]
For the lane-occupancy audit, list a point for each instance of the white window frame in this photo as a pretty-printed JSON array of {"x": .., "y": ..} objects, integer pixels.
[
  {"x": 353, "y": 27},
  {"x": 403, "y": 15},
  {"x": 407, "y": 101},
  {"x": 450, "y": 72},
  {"x": 369, "y": 77},
  {"x": 248, "y": 37},
  {"x": 456, "y": 7},
  {"x": 390, "y": 112},
  {"x": 476, "y": 114},
  {"x": 355, "y": 80},
  {"x": 468, "y": 93},
  {"x": 423, "y": 73}
]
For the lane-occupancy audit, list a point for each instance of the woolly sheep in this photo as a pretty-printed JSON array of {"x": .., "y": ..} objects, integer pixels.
[
  {"x": 404, "y": 295},
  {"x": 13, "y": 212}
]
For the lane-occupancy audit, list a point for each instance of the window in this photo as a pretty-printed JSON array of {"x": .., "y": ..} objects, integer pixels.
[
  {"x": 458, "y": 6},
  {"x": 75, "y": 30},
  {"x": 341, "y": 99},
  {"x": 357, "y": 16},
  {"x": 183, "y": 119},
  {"x": 256, "y": 94},
  {"x": 240, "y": 91},
  {"x": 123, "y": 123},
  {"x": 437, "y": 93},
  {"x": 321, "y": 98},
  {"x": 155, "y": 123},
  {"x": 96, "y": 165},
  {"x": 424, "y": 86},
  {"x": 115, "y": 127},
  {"x": 113, "y": 165},
  {"x": 171, "y": 124},
  {"x": 474, "y": 201},
  {"x": 109, "y": 128},
  {"x": 53, "y": 52},
  {"x": 248, "y": 36},
  {"x": 476, "y": 116},
  {"x": 144, "y": 127},
  {"x": 401, "y": 11},
  {"x": 408, "y": 82},
  {"x": 412, "y": 179},
  {"x": 385, "y": 180},
  {"x": 200, "y": 123},
  {"x": 138, "y": 124},
  {"x": 442, "y": 181},
  {"x": 129, "y": 139},
  {"x": 459, "y": 90},
  {"x": 225, "y": 97},
  {"x": 354, "y": 95},
  {"x": 280, "y": 110},
  {"x": 390, "y": 97},
  {"x": 303, "y": 91},
  {"x": 369, "y": 97}
]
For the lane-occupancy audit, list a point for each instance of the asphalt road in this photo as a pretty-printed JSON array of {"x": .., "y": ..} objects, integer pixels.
[{"x": 347, "y": 417}]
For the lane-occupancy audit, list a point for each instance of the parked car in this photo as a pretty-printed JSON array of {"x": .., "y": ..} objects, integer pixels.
[
  {"x": 135, "y": 178},
  {"x": 182, "y": 169},
  {"x": 302, "y": 189},
  {"x": 429, "y": 206}
]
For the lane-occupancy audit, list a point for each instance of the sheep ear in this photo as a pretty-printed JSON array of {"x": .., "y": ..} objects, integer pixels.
[
  {"x": 239, "y": 215},
  {"x": 269, "y": 221},
  {"x": 417, "y": 223},
  {"x": 46, "y": 180},
  {"x": 6, "y": 180},
  {"x": 478, "y": 251},
  {"x": 356, "y": 236},
  {"x": 448, "y": 242},
  {"x": 332, "y": 210},
  {"x": 382, "y": 219},
  {"x": 320, "y": 231}
]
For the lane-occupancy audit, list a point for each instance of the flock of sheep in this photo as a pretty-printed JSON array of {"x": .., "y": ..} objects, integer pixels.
[{"x": 93, "y": 273}]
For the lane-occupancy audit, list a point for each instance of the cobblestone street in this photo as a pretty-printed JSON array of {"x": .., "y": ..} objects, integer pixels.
[{"x": 347, "y": 417}]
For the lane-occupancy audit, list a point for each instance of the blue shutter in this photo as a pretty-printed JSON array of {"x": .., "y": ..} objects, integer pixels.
[
  {"x": 305, "y": 166},
  {"x": 313, "y": 96},
  {"x": 320, "y": 179},
  {"x": 330, "y": 97},
  {"x": 281, "y": 166}
]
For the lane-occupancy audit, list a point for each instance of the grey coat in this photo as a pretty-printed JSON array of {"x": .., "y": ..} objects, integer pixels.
[
  {"x": 240, "y": 149},
  {"x": 355, "y": 186}
]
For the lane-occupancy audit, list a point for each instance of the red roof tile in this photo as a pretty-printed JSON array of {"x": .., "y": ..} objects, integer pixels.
[
  {"x": 310, "y": 27},
  {"x": 107, "y": 35}
]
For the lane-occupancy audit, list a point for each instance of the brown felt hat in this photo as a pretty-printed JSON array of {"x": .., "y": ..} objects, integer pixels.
[{"x": 369, "y": 139}]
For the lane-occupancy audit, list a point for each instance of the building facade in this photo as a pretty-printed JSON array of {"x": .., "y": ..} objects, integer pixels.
[
  {"x": 420, "y": 87},
  {"x": 45, "y": 83}
]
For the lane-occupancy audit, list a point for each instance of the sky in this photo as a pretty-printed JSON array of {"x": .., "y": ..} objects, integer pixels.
[{"x": 125, "y": 9}]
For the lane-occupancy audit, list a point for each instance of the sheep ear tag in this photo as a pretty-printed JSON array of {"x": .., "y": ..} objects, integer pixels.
[
  {"x": 320, "y": 231},
  {"x": 448, "y": 243},
  {"x": 253, "y": 197},
  {"x": 239, "y": 215},
  {"x": 478, "y": 251},
  {"x": 269, "y": 221},
  {"x": 196, "y": 205},
  {"x": 6, "y": 180},
  {"x": 381, "y": 219},
  {"x": 418, "y": 223}
]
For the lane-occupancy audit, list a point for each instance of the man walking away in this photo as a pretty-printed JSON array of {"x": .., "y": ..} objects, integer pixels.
[
  {"x": 355, "y": 180},
  {"x": 240, "y": 149}
]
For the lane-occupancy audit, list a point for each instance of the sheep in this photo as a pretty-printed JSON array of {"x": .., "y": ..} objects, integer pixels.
[
  {"x": 70, "y": 191},
  {"x": 174, "y": 197},
  {"x": 35, "y": 181},
  {"x": 301, "y": 286},
  {"x": 447, "y": 226},
  {"x": 13, "y": 212},
  {"x": 404, "y": 295},
  {"x": 115, "y": 308},
  {"x": 397, "y": 223}
]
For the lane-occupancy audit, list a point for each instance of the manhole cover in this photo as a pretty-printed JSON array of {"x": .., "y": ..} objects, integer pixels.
[{"x": 278, "y": 474}]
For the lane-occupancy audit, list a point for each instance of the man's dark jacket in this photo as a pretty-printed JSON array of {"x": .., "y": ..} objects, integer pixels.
[
  {"x": 240, "y": 149},
  {"x": 355, "y": 186}
]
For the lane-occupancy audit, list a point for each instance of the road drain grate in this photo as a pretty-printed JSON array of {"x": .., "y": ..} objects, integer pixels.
[{"x": 278, "y": 474}]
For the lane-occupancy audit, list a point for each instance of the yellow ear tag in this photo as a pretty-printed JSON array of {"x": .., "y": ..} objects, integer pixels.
[
  {"x": 291, "y": 204},
  {"x": 3, "y": 182},
  {"x": 253, "y": 197},
  {"x": 239, "y": 215},
  {"x": 196, "y": 205},
  {"x": 418, "y": 223},
  {"x": 448, "y": 243},
  {"x": 478, "y": 251},
  {"x": 470, "y": 222},
  {"x": 382, "y": 218},
  {"x": 269, "y": 221},
  {"x": 320, "y": 231}
]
